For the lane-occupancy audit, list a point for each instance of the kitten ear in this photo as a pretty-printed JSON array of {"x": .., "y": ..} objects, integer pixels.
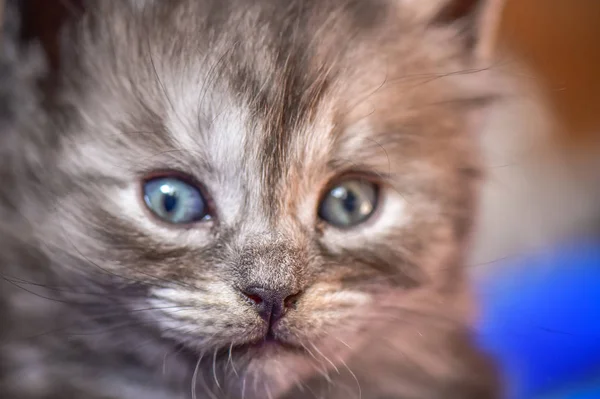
[
  {"x": 481, "y": 20},
  {"x": 40, "y": 21},
  {"x": 478, "y": 20},
  {"x": 43, "y": 21}
]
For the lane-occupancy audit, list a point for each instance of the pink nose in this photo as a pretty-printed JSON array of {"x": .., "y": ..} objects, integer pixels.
[{"x": 271, "y": 304}]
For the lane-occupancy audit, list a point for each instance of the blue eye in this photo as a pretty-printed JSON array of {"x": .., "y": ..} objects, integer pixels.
[
  {"x": 174, "y": 201},
  {"x": 349, "y": 203}
]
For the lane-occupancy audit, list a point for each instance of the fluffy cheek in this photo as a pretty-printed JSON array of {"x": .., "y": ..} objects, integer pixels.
[
  {"x": 324, "y": 318},
  {"x": 321, "y": 327},
  {"x": 209, "y": 318}
]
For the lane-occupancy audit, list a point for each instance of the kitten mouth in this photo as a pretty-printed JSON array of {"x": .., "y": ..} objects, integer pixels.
[
  {"x": 270, "y": 341},
  {"x": 270, "y": 344}
]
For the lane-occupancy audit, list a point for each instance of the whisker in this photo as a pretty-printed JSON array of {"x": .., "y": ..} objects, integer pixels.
[
  {"x": 164, "y": 363},
  {"x": 214, "y": 368},
  {"x": 325, "y": 357},
  {"x": 313, "y": 393},
  {"x": 195, "y": 376},
  {"x": 181, "y": 347},
  {"x": 322, "y": 371},
  {"x": 35, "y": 293},
  {"x": 324, "y": 331},
  {"x": 67, "y": 289},
  {"x": 255, "y": 383},
  {"x": 67, "y": 237},
  {"x": 107, "y": 315},
  {"x": 108, "y": 330},
  {"x": 353, "y": 376},
  {"x": 230, "y": 360},
  {"x": 244, "y": 386}
]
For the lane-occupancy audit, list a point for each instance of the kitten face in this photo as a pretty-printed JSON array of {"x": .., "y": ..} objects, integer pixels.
[{"x": 263, "y": 108}]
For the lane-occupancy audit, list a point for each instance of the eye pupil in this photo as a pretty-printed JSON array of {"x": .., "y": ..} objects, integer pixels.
[
  {"x": 347, "y": 198},
  {"x": 169, "y": 202},
  {"x": 349, "y": 203},
  {"x": 175, "y": 200}
]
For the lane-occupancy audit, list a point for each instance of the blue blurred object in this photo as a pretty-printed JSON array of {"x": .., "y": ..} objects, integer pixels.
[{"x": 541, "y": 321}]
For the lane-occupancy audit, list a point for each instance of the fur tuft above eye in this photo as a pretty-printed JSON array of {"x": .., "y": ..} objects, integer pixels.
[
  {"x": 478, "y": 20},
  {"x": 349, "y": 203},
  {"x": 175, "y": 201}
]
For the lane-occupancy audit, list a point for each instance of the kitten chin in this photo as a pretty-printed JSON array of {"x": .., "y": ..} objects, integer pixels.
[{"x": 242, "y": 199}]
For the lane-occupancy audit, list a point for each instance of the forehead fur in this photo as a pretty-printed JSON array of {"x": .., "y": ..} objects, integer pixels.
[
  {"x": 271, "y": 87},
  {"x": 263, "y": 104}
]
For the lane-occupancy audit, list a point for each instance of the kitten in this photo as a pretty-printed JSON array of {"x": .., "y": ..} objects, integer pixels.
[{"x": 229, "y": 199}]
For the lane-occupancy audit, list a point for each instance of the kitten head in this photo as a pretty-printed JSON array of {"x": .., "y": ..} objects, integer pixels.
[{"x": 266, "y": 180}]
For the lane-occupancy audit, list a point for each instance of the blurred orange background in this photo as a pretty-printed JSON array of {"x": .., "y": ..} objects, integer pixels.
[{"x": 559, "y": 40}]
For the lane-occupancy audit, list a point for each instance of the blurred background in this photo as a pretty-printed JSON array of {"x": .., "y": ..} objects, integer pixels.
[
  {"x": 536, "y": 255},
  {"x": 559, "y": 40},
  {"x": 542, "y": 145},
  {"x": 536, "y": 260}
]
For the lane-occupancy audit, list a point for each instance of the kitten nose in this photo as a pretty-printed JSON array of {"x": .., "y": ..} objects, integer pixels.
[{"x": 270, "y": 304}]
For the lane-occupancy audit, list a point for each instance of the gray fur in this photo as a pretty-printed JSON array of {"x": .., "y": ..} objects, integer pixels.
[{"x": 265, "y": 103}]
